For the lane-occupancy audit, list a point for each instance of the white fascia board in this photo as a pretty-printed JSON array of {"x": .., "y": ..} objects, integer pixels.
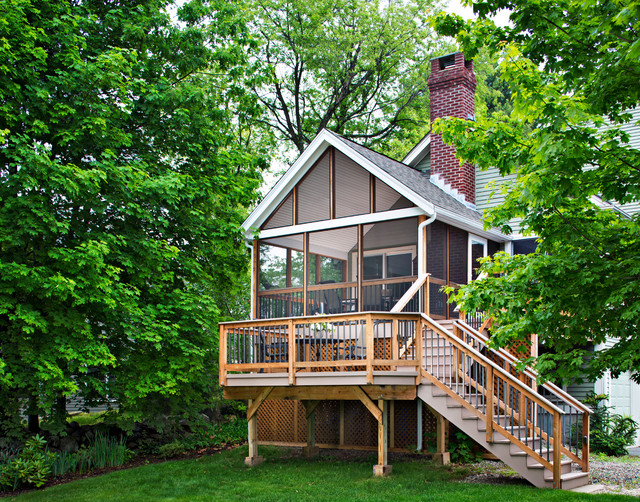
[
  {"x": 299, "y": 168},
  {"x": 349, "y": 221},
  {"x": 469, "y": 225},
  {"x": 418, "y": 152}
]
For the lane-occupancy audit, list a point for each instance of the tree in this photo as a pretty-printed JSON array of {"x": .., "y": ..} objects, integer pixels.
[
  {"x": 124, "y": 172},
  {"x": 357, "y": 67},
  {"x": 573, "y": 70}
]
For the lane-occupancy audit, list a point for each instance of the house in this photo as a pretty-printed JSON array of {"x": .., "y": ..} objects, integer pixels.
[{"x": 352, "y": 343}]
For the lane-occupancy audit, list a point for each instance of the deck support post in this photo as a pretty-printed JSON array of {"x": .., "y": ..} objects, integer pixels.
[
  {"x": 252, "y": 422},
  {"x": 442, "y": 456},
  {"x": 383, "y": 469},
  {"x": 311, "y": 450}
]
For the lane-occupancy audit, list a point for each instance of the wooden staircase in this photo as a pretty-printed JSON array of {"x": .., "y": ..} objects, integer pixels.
[{"x": 537, "y": 431}]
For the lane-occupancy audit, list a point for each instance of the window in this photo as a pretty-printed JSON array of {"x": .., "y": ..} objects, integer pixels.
[{"x": 477, "y": 250}]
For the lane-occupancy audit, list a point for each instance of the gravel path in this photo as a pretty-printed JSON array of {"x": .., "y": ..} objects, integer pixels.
[{"x": 621, "y": 476}]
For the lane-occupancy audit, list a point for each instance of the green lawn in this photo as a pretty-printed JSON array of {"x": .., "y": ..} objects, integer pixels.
[{"x": 284, "y": 477}]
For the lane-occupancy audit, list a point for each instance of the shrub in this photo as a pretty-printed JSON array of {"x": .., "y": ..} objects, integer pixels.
[
  {"x": 610, "y": 433},
  {"x": 103, "y": 451},
  {"x": 31, "y": 466}
]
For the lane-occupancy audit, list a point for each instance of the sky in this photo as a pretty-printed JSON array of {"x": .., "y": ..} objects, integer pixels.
[{"x": 455, "y": 7}]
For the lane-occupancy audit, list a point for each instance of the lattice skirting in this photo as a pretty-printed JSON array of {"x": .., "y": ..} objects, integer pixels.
[{"x": 344, "y": 424}]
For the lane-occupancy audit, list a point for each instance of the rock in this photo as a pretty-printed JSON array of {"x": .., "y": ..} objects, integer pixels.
[
  {"x": 68, "y": 444},
  {"x": 73, "y": 426}
]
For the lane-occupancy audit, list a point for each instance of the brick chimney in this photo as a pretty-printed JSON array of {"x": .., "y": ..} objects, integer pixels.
[{"x": 452, "y": 86}]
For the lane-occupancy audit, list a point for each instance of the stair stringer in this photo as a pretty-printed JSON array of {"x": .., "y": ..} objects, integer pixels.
[{"x": 500, "y": 446}]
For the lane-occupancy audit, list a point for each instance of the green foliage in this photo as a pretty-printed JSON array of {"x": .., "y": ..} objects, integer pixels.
[
  {"x": 565, "y": 155},
  {"x": 126, "y": 169},
  {"x": 610, "y": 433},
  {"x": 233, "y": 431},
  {"x": 103, "y": 451},
  {"x": 463, "y": 449},
  {"x": 357, "y": 67},
  {"x": 31, "y": 466}
]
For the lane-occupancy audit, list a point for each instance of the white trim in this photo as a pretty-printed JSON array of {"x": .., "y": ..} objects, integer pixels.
[
  {"x": 457, "y": 220},
  {"x": 415, "y": 155},
  {"x": 299, "y": 168},
  {"x": 349, "y": 221},
  {"x": 474, "y": 239}
]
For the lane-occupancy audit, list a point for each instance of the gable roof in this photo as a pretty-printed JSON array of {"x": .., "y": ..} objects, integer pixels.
[
  {"x": 407, "y": 181},
  {"x": 415, "y": 180}
]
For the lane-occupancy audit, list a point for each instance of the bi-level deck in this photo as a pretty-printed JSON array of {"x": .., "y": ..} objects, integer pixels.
[{"x": 379, "y": 357}]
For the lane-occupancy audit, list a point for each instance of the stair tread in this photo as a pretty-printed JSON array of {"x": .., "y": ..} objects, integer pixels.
[
  {"x": 538, "y": 465},
  {"x": 548, "y": 476}
]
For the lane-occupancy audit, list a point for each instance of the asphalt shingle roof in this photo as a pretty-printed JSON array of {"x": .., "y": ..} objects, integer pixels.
[{"x": 414, "y": 181}]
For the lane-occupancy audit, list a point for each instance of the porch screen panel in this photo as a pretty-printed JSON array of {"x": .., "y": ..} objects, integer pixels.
[
  {"x": 436, "y": 263},
  {"x": 352, "y": 187},
  {"x": 332, "y": 260},
  {"x": 386, "y": 198},
  {"x": 280, "y": 277},
  {"x": 283, "y": 216},
  {"x": 313, "y": 193},
  {"x": 389, "y": 262},
  {"x": 458, "y": 248}
]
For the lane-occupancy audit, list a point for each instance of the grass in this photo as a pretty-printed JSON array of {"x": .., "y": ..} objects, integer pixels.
[
  {"x": 286, "y": 477},
  {"x": 87, "y": 418}
]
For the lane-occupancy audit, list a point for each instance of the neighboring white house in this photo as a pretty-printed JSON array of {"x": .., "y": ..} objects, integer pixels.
[{"x": 624, "y": 394}]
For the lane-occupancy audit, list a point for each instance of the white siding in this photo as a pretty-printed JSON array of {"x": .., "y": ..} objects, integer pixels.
[
  {"x": 489, "y": 193},
  {"x": 632, "y": 128}
]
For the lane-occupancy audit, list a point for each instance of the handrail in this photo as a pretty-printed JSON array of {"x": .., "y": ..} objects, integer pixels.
[
  {"x": 507, "y": 376},
  {"x": 409, "y": 294},
  {"x": 478, "y": 336},
  {"x": 581, "y": 442}
]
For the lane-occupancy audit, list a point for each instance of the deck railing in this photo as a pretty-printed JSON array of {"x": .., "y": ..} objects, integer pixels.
[
  {"x": 503, "y": 402},
  {"x": 574, "y": 425},
  {"x": 344, "y": 342}
]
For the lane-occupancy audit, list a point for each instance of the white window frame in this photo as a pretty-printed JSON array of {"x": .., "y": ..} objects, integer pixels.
[
  {"x": 475, "y": 239},
  {"x": 384, "y": 252}
]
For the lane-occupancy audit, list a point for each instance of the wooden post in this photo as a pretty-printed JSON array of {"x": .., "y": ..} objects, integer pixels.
[
  {"x": 557, "y": 451},
  {"x": 427, "y": 296},
  {"x": 222, "y": 362},
  {"x": 292, "y": 352},
  {"x": 369, "y": 348},
  {"x": 395, "y": 353},
  {"x": 256, "y": 277},
  {"x": 418, "y": 345},
  {"x": 360, "y": 266},
  {"x": 442, "y": 456},
  {"x": 383, "y": 469},
  {"x": 311, "y": 450},
  {"x": 305, "y": 272},
  {"x": 253, "y": 458},
  {"x": 585, "y": 441},
  {"x": 488, "y": 400}
]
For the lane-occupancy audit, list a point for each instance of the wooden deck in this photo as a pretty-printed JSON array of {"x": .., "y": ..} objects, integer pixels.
[{"x": 380, "y": 357}]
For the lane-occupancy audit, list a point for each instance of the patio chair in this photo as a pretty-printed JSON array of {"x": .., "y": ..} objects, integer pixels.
[
  {"x": 357, "y": 349},
  {"x": 274, "y": 351}
]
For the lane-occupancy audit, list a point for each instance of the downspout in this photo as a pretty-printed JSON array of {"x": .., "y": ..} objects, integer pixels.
[
  {"x": 422, "y": 264},
  {"x": 422, "y": 272}
]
